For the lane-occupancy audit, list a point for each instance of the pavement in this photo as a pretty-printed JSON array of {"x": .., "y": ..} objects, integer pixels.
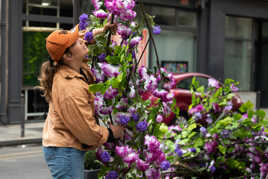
[{"x": 12, "y": 134}]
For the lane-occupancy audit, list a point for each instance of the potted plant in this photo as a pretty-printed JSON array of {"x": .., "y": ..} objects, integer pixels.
[{"x": 92, "y": 165}]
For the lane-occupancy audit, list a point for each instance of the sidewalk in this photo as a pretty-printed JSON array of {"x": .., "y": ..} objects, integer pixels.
[{"x": 11, "y": 134}]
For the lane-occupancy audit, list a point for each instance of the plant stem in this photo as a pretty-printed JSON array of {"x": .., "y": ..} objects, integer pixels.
[
  {"x": 151, "y": 35},
  {"x": 109, "y": 37}
]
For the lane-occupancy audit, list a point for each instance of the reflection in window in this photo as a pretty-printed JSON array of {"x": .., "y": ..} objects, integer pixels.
[
  {"x": 164, "y": 15},
  {"x": 238, "y": 51},
  {"x": 185, "y": 84}
]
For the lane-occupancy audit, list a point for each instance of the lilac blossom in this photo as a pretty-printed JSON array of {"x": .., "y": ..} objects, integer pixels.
[
  {"x": 142, "y": 126},
  {"x": 228, "y": 107},
  {"x": 109, "y": 70},
  {"x": 216, "y": 107},
  {"x": 112, "y": 175},
  {"x": 193, "y": 150},
  {"x": 128, "y": 15},
  {"x": 160, "y": 94},
  {"x": 83, "y": 21},
  {"x": 213, "y": 83},
  {"x": 132, "y": 110},
  {"x": 114, "y": 6},
  {"x": 106, "y": 110},
  {"x": 142, "y": 165},
  {"x": 132, "y": 92},
  {"x": 83, "y": 17},
  {"x": 156, "y": 30},
  {"x": 100, "y": 14},
  {"x": 88, "y": 36}
]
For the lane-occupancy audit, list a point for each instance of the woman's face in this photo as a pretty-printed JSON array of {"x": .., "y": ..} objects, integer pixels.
[{"x": 79, "y": 50}]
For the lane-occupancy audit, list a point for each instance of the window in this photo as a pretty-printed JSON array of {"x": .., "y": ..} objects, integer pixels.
[
  {"x": 238, "y": 50},
  {"x": 41, "y": 17}
]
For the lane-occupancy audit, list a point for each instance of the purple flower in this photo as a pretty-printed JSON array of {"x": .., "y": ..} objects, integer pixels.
[
  {"x": 142, "y": 165},
  {"x": 211, "y": 147},
  {"x": 100, "y": 14},
  {"x": 88, "y": 36},
  {"x": 178, "y": 151},
  {"x": 128, "y": 15},
  {"x": 110, "y": 93},
  {"x": 124, "y": 31},
  {"x": 203, "y": 130},
  {"x": 109, "y": 70},
  {"x": 135, "y": 117},
  {"x": 156, "y": 30},
  {"x": 105, "y": 157},
  {"x": 143, "y": 73},
  {"x": 196, "y": 109},
  {"x": 228, "y": 107},
  {"x": 135, "y": 41},
  {"x": 162, "y": 94},
  {"x": 83, "y": 17},
  {"x": 193, "y": 150},
  {"x": 212, "y": 169},
  {"x": 97, "y": 4},
  {"x": 216, "y": 107},
  {"x": 106, "y": 110},
  {"x": 131, "y": 157},
  {"x": 152, "y": 143},
  {"x": 150, "y": 83},
  {"x": 165, "y": 165},
  {"x": 123, "y": 151},
  {"x": 124, "y": 119},
  {"x": 213, "y": 83},
  {"x": 152, "y": 173},
  {"x": 142, "y": 126},
  {"x": 111, "y": 175},
  {"x": 102, "y": 57},
  {"x": 234, "y": 88},
  {"x": 83, "y": 25}
]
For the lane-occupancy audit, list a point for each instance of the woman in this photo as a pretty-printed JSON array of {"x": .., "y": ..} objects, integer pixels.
[{"x": 70, "y": 128}]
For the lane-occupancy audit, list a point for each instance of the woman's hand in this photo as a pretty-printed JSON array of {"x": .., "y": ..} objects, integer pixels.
[
  {"x": 111, "y": 27},
  {"x": 118, "y": 131}
]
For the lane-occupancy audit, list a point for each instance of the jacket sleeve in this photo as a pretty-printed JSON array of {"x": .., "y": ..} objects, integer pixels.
[{"x": 78, "y": 116}]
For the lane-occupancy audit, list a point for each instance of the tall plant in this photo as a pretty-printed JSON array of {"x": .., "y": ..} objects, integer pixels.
[{"x": 139, "y": 100}]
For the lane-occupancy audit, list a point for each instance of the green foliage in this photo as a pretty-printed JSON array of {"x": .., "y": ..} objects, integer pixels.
[{"x": 34, "y": 54}]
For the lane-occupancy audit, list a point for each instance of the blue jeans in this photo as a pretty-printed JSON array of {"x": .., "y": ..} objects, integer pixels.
[{"x": 64, "y": 162}]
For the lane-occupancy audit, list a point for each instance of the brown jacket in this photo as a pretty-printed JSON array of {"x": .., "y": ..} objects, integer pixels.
[{"x": 70, "y": 121}]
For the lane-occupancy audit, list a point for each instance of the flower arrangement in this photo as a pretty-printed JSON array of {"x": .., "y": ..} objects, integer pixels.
[{"x": 216, "y": 138}]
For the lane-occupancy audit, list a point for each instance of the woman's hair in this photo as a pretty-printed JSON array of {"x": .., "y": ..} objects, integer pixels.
[{"x": 47, "y": 72}]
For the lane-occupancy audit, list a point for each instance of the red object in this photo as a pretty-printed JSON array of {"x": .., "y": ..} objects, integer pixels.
[{"x": 183, "y": 95}]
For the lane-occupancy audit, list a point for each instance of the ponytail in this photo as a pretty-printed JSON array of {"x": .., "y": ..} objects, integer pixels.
[{"x": 47, "y": 72}]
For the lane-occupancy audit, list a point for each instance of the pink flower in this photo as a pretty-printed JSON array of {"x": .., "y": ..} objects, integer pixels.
[
  {"x": 213, "y": 83},
  {"x": 109, "y": 70},
  {"x": 123, "y": 151},
  {"x": 97, "y": 4},
  {"x": 211, "y": 147},
  {"x": 142, "y": 165},
  {"x": 143, "y": 73},
  {"x": 196, "y": 109},
  {"x": 152, "y": 173},
  {"x": 234, "y": 88},
  {"x": 100, "y": 14},
  {"x": 135, "y": 41},
  {"x": 124, "y": 31},
  {"x": 131, "y": 157},
  {"x": 159, "y": 118},
  {"x": 110, "y": 93},
  {"x": 152, "y": 143}
]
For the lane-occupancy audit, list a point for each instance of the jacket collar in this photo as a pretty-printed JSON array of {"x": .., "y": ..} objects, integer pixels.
[{"x": 70, "y": 73}]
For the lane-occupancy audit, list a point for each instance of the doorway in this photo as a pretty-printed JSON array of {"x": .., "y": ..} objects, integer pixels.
[{"x": 262, "y": 63}]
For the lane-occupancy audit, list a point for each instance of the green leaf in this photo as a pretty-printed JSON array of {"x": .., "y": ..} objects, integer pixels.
[
  {"x": 100, "y": 87},
  {"x": 222, "y": 149},
  {"x": 114, "y": 60}
]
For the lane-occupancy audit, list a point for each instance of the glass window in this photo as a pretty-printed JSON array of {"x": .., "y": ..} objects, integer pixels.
[
  {"x": 185, "y": 84},
  {"x": 265, "y": 29},
  {"x": 237, "y": 27},
  {"x": 164, "y": 15},
  {"x": 186, "y": 18},
  {"x": 238, "y": 51},
  {"x": 173, "y": 45},
  {"x": 34, "y": 54}
]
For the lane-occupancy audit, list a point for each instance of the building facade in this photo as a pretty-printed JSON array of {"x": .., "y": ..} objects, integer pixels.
[{"x": 222, "y": 38}]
